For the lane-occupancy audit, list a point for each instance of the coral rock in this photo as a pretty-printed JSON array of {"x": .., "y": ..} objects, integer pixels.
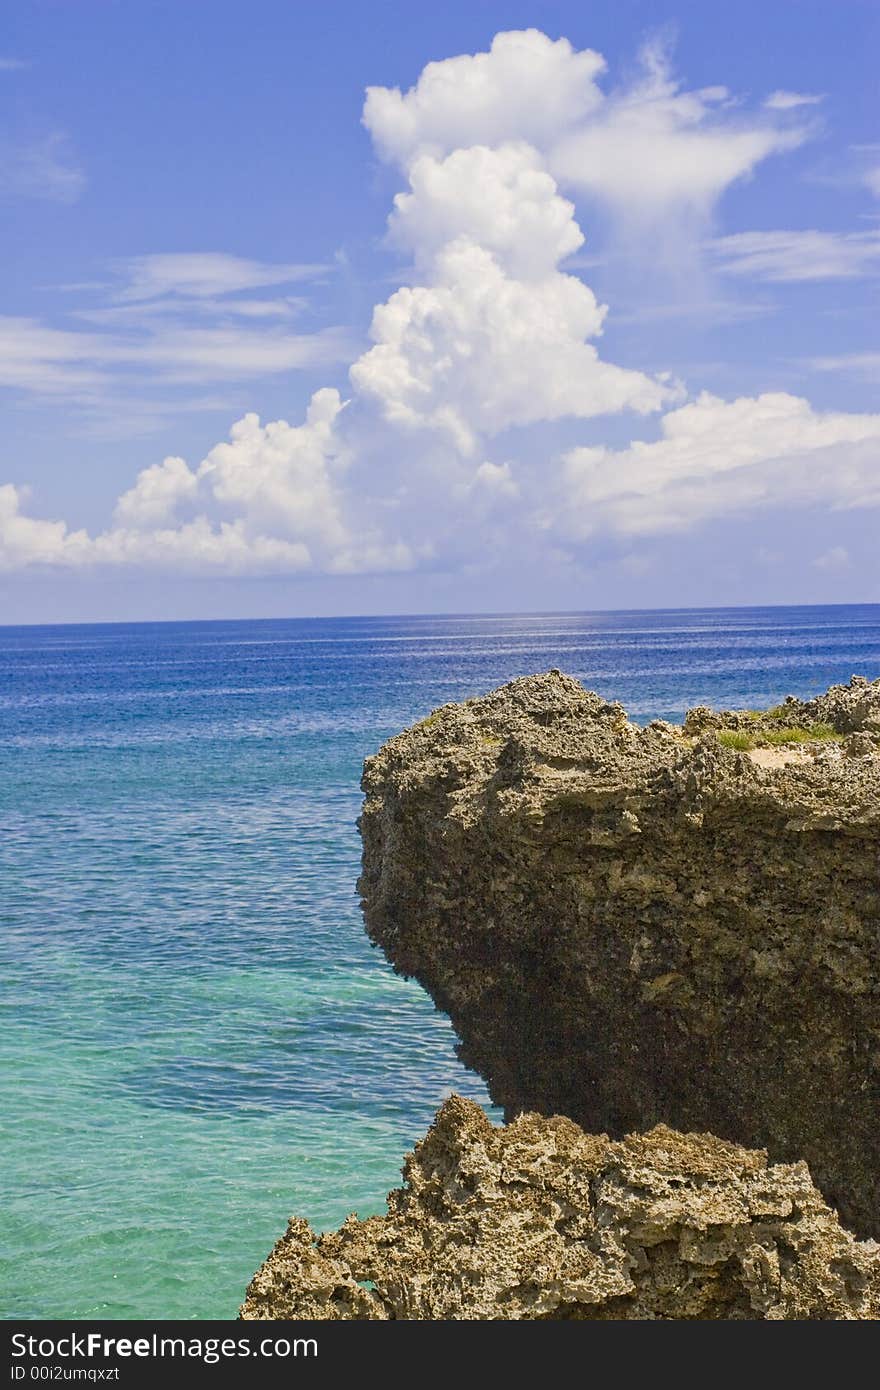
[
  {"x": 630, "y": 926},
  {"x": 538, "y": 1220}
]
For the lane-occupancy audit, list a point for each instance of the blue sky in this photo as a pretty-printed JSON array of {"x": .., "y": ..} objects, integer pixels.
[{"x": 582, "y": 316}]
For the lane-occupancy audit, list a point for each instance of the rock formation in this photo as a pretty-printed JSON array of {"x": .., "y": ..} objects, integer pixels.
[
  {"x": 632, "y": 926},
  {"x": 538, "y": 1220}
]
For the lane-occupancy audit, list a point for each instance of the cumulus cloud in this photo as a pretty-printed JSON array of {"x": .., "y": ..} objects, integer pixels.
[
  {"x": 267, "y": 500},
  {"x": 281, "y": 477},
  {"x": 798, "y": 255},
  {"x": 28, "y": 540},
  {"x": 527, "y": 87},
  {"x": 648, "y": 151},
  {"x": 497, "y": 335},
  {"x": 490, "y": 338},
  {"x": 156, "y": 495},
  {"x": 500, "y": 199},
  {"x": 719, "y": 458},
  {"x": 478, "y": 351}
]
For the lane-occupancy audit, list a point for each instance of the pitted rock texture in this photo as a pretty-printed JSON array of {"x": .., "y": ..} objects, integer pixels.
[
  {"x": 538, "y": 1220},
  {"x": 848, "y": 709},
  {"x": 633, "y": 926}
]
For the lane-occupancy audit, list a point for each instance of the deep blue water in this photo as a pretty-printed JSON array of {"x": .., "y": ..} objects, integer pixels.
[{"x": 196, "y": 1039}]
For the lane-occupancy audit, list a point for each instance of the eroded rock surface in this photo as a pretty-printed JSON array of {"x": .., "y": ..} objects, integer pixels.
[
  {"x": 537, "y": 1219},
  {"x": 631, "y": 926}
]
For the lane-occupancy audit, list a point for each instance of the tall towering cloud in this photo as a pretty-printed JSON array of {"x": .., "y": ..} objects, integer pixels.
[
  {"x": 527, "y": 87},
  {"x": 490, "y": 338},
  {"x": 497, "y": 335},
  {"x": 646, "y": 149}
]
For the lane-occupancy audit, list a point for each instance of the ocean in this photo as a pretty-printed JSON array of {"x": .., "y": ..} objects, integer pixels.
[{"x": 196, "y": 1039}]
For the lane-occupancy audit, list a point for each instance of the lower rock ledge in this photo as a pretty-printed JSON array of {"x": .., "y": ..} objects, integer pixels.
[{"x": 536, "y": 1219}]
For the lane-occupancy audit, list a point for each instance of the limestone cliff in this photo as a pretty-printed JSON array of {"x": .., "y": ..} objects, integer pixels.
[
  {"x": 631, "y": 926},
  {"x": 539, "y": 1220}
]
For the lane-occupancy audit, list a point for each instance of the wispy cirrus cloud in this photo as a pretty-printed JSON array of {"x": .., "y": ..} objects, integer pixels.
[
  {"x": 205, "y": 275},
  {"x": 140, "y": 312},
  {"x": 871, "y": 179},
  {"x": 42, "y": 165},
  {"x": 865, "y": 366},
  {"x": 55, "y": 361},
  {"x": 781, "y": 100},
  {"x": 798, "y": 255},
  {"x": 193, "y": 319},
  {"x": 45, "y": 167},
  {"x": 855, "y": 166}
]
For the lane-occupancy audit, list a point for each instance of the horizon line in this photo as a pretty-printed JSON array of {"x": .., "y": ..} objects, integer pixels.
[{"x": 487, "y": 614}]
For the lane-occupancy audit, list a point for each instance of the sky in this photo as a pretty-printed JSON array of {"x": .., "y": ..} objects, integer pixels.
[{"x": 389, "y": 308}]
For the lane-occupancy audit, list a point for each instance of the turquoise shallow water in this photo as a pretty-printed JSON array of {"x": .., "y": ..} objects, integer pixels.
[{"x": 196, "y": 1039}]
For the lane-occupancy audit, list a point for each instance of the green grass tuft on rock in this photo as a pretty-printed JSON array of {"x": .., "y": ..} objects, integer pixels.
[{"x": 742, "y": 740}]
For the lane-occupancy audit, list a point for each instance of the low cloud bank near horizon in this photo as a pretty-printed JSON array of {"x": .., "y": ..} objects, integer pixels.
[{"x": 426, "y": 462}]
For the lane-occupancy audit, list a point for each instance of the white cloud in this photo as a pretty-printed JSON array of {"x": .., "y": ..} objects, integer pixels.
[
  {"x": 496, "y": 478},
  {"x": 143, "y": 313},
  {"x": 653, "y": 150},
  {"x": 718, "y": 458},
  {"x": 782, "y": 100},
  {"x": 215, "y": 354},
  {"x": 527, "y": 87},
  {"x": 834, "y": 560},
  {"x": 172, "y": 321},
  {"x": 266, "y": 501},
  {"x": 798, "y": 255},
  {"x": 503, "y": 200},
  {"x": 27, "y": 540},
  {"x": 716, "y": 311},
  {"x": 89, "y": 368},
  {"x": 496, "y": 336},
  {"x": 871, "y": 180},
  {"x": 490, "y": 336},
  {"x": 863, "y": 365},
  {"x": 648, "y": 151},
  {"x": 281, "y": 476},
  {"x": 267, "y": 498},
  {"x": 198, "y": 547},
  {"x": 157, "y": 494},
  {"x": 205, "y": 274},
  {"x": 855, "y": 166},
  {"x": 42, "y": 168},
  {"x": 48, "y": 361},
  {"x": 478, "y": 351}
]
